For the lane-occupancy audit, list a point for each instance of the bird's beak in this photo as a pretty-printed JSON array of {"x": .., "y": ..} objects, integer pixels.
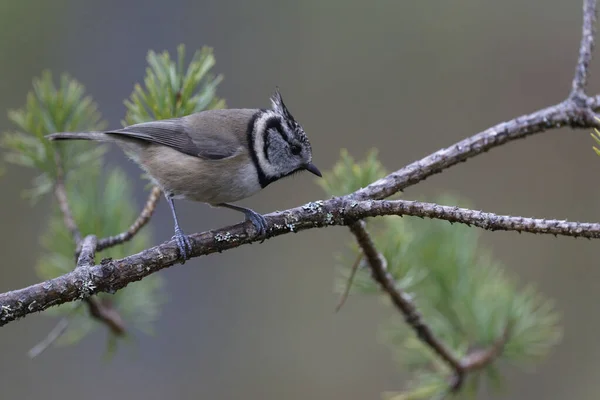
[{"x": 313, "y": 169}]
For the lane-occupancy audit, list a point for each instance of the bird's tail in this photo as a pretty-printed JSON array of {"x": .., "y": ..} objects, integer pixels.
[{"x": 98, "y": 136}]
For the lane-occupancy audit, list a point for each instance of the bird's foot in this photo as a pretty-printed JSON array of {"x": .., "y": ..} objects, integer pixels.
[
  {"x": 259, "y": 222},
  {"x": 184, "y": 243}
]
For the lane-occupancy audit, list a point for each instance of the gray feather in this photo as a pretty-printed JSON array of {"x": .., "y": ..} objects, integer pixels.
[
  {"x": 170, "y": 133},
  {"x": 98, "y": 136},
  {"x": 212, "y": 135}
]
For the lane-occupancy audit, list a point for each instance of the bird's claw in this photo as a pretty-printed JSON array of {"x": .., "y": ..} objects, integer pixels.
[
  {"x": 259, "y": 222},
  {"x": 184, "y": 243}
]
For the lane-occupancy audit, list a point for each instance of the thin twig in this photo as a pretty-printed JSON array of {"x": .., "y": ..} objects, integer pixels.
[
  {"x": 61, "y": 195},
  {"x": 49, "y": 340},
  {"x": 54, "y": 334},
  {"x": 586, "y": 47},
  {"x": 349, "y": 282},
  {"x": 142, "y": 219},
  {"x": 403, "y": 302}
]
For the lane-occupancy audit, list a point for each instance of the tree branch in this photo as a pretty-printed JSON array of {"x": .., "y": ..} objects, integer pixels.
[
  {"x": 480, "y": 219},
  {"x": 88, "y": 252},
  {"x": 585, "y": 50},
  {"x": 567, "y": 113},
  {"x": 112, "y": 275},
  {"x": 139, "y": 223}
]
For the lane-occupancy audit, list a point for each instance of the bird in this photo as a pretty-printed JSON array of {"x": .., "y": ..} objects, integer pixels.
[{"x": 214, "y": 156}]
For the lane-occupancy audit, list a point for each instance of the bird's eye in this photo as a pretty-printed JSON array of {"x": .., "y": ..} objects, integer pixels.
[{"x": 295, "y": 149}]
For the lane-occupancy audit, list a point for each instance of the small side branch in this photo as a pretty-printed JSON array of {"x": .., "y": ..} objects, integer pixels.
[
  {"x": 586, "y": 48},
  {"x": 484, "y": 220},
  {"x": 348, "y": 287},
  {"x": 403, "y": 302},
  {"x": 49, "y": 340},
  {"x": 138, "y": 224},
  {"x": 87, "y": 253}
]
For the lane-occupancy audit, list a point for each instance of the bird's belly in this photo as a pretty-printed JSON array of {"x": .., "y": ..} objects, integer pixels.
[
  {"x": 208, "y": 181},
  {"x": 215, "y": 189}
]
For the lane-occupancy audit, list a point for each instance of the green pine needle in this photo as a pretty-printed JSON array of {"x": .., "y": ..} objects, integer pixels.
[{"x": 170, "y": 90}]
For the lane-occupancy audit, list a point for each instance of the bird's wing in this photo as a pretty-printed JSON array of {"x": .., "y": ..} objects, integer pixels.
[{"x": 174, "y": 133}]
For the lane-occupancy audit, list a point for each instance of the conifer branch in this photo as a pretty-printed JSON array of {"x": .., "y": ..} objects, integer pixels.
[
  {"x": 404, "y": 303},
  {"x": 87, "y": 254},
  {"x": 475, "y": 360}
]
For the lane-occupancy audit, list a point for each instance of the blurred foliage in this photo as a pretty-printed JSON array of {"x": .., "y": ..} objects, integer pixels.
[
  {"x": 174, "y": 91},
  {"x": 50, "y": 109},
  {"x": 100, "y": 199},
  {"x": 462, "y": 293}
]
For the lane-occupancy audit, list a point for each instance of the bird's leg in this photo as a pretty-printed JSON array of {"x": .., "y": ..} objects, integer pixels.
[
  {"x": 259, "y": 222},
  {"x": 183, "y": 241}
]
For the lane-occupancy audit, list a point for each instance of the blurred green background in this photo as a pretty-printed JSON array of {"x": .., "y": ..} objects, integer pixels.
[{"x": 407, "y": 77}]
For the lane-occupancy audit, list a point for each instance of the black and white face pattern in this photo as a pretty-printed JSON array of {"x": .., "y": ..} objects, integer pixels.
[{"x": 280, "y": 145}]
